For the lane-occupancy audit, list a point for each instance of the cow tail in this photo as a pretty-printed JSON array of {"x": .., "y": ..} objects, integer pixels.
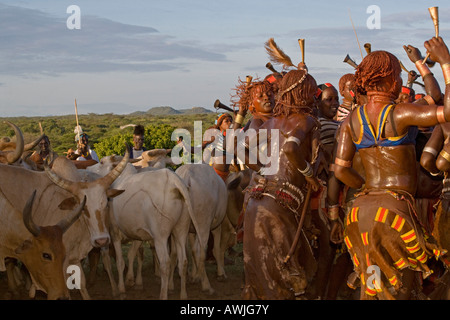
[{"x": 180, "y": 184}]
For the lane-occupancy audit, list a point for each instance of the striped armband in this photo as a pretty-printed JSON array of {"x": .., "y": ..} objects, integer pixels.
[
  {"x": 444, "y": 154},
  {"x": 343, "y": 163},
  {"x": 430, "y": 150},
  {"x": 440, "y": 114}
]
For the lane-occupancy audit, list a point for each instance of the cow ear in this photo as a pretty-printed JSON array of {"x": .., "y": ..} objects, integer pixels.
[
  {"x": 68, "y": 204},
  {"x": 111, "y": 193},
  {"x": 23, "y": 247}
]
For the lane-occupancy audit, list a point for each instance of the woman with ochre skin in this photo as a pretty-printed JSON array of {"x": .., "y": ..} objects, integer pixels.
[{"x": 382, "y": 228}]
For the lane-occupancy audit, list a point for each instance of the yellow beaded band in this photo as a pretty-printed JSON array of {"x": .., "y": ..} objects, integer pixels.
[
  {"x": 444, "y": 154},
  {"x": 343, "y": 163},
  {"x": 440, "y": 114},
  {"x": 422, "y": 68},
  {"x": 446, "y": 71}
]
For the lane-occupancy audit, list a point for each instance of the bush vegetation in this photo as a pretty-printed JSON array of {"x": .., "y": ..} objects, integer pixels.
[{"x": 105, "y": 134}]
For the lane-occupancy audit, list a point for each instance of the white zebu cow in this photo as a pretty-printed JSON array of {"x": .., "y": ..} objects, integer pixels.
[
  {"x": 208, "y": 194},
  {"x": 151, "y": 208},
  {"x": 217, "y": 204}
]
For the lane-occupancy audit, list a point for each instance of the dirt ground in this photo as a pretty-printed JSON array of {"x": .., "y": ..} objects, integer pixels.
[{"x": 228, "y": 289}]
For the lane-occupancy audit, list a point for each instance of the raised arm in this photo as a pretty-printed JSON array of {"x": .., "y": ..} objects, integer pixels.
[
  {"x": 439, "y": 53},
  {"x": 432, "y": 89},
  {"x": 408, "y": 114}
]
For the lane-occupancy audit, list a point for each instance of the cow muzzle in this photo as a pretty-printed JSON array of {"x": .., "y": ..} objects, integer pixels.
[{"x": 101, "y": 241}]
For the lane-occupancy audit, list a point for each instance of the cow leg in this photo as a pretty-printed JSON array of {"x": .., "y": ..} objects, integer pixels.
[
  {"x": 173, "y": 263},
  {"x": 193, "y": 271},
  {"x": 120, "y": 263},
  {"x": 180, "y": 235},
  {"x": 83, "y": 290},
  {"x": 140, "y": 261},
  {"x": 218, "y": 255},
  {"x": 13, "y": 281},
  {"x": 199, "y": 252},
  {"x": 94, "y": 259},
  {"x": 108, "y": 267},
  {"x": 156, "y": 265},
  {"x": 162, "y": 252},
  {"x": 129, "y": 279},
  {"x": 227, "y": 238}
]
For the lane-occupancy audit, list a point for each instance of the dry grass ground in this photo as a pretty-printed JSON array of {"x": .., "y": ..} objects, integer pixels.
[{"x": 229, "y": 289}]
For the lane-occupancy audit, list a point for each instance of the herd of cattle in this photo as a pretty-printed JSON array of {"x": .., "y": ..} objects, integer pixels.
[{"x": 55, "y": 218}]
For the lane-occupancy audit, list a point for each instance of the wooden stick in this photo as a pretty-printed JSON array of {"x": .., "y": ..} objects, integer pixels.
[
  {"x": 78, "y": 126},
  {"x": 354, "y": 30},
  {"x": 299, "y": 227}
]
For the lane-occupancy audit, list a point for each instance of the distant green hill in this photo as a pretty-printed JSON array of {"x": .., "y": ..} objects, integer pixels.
[{"x": 163, "y": 111}]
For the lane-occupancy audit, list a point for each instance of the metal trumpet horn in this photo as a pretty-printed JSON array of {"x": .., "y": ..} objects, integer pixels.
[
  {"x": 301, "y": 43},
  {"x": 368, "y": 47},
  {"x": 271, "y": 68},
  {"x": 434, "y": 14},
  {"x": 349, "y": 60},
  {"x": 219, "y": 105}
]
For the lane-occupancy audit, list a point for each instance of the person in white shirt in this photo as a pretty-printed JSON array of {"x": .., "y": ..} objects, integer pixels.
[{"x": 87, "y": 157}]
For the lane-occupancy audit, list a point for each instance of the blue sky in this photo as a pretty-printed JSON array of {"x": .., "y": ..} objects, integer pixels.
[{"x": 134, "y": 55}]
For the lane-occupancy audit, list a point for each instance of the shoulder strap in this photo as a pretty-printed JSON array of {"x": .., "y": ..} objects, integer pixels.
[
  {"x": 355, "y": 137},
  {"x": 391, "y": 119}
]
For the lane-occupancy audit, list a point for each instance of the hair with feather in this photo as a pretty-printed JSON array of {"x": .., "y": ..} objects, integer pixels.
[{"x": 276, "y": 55}]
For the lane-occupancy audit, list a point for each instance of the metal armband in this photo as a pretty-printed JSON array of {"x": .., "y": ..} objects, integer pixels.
[
  {"x": 307, "y": 172},
  {"x": 343, "y": 163},
  {"x": 430, "y": 150},
  {"x": 440, "y": 114}
]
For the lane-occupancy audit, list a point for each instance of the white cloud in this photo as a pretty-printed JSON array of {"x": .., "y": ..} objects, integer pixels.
[{"x": 34, "y": 42}]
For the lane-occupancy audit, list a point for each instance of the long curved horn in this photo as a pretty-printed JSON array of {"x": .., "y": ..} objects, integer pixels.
[
  {"x": 107, "y": 180},
  {"x": 59, "y": 181},
  {"x": 27, "y": 218},
  {"x": 13, "y": 156},
  {"x": 33, "y": 144},
  {"x": 67, "y": 221}
]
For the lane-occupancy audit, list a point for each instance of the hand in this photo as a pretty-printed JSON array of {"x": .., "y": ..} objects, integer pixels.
[
  {"x": 413, "y": 53},
  {"x": 438, "y": 50},
  {"x": 314, "y": 182},
  {"x": 337, "y": 232},
  {"x": 412, "y": 76},
  {"x": 302, "y": 66}
]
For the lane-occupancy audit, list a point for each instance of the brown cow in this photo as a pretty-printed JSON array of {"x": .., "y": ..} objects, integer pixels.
[{"x": 42, "y": 254}]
